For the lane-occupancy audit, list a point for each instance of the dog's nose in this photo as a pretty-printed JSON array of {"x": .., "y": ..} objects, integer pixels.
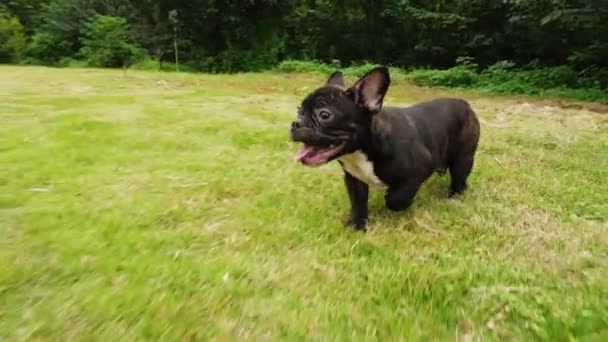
[{"x": 295, "y": 124}]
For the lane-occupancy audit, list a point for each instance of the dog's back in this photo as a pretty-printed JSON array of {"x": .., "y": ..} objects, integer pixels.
[
  {"x": 447, "y": 127},
  {"x": 449, "y": 119}
]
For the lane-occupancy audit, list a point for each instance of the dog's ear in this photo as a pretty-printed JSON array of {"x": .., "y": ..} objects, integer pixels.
[
  {"x": 370, "y": 89},
  {"x": 335, "y": 79}
]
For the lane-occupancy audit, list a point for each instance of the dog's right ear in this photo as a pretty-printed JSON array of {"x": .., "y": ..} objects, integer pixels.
[{"x": 335, "y": 79}]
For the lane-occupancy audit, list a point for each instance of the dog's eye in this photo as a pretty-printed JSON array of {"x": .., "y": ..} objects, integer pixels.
[{"x": 324, "y": 115}]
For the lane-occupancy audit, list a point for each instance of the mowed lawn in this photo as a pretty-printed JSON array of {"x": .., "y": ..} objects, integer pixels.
[{"x": 160, "y": 206}]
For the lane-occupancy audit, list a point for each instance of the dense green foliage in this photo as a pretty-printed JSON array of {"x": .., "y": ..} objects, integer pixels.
[
  {"x": 12, "y": 39},
  {"x": 569, "y": 37},
  {"x": 500, "y": 78},
  {"x": 106, "y": 43}
]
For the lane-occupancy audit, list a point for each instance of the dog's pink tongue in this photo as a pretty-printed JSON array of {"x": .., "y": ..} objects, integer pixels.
[{"x": 304, "y": 152}]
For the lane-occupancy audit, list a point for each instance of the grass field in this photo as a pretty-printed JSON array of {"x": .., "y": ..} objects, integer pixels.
[{"x": 157, "y": 206}]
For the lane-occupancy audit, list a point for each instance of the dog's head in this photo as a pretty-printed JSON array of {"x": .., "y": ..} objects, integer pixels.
[{"x": 335, "y": 120}]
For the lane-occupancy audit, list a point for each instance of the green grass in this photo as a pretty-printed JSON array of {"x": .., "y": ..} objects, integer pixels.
[{"x": 165, "y": 206}]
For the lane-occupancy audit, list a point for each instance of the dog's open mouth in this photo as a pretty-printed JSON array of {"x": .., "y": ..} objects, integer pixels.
[{"x": 317, "y": 155}]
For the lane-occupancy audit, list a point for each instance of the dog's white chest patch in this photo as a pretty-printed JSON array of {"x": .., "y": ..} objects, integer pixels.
[{"x": 360, "y": 167}]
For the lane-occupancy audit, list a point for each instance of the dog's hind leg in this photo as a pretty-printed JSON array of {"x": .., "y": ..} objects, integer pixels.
[
  {"x": 401, "y": 197},
  {"x": 460, "y": 169},
  {"x": 461, "y": 163}
]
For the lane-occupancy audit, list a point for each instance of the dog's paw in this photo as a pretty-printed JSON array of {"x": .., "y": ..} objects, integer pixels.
[
  {"x": 451, "y": 194},
  {"x": 455, "y": 193},
  {"x": 396, "y": 203},
  {"x": 355, "y": 223}
]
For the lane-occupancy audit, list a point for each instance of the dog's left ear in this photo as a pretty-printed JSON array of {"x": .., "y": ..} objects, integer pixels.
[
  {"x": 370, "y": 89},
  {"x": 335, "y": 79}
]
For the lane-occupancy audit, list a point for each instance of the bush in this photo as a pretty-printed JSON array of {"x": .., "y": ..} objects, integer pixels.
[
  {"x": 107, "y": 43},
  {"x": 501, "y": 78},
  {"x": 359, "y": 70},
  {"x": 458, "y": 76},
  {"x": 200, "y": 60},
  {"x": 501, "y": 70},
  {"x": 298, "y": 66},
  {"x": 303, "y": 66},
  {"x": 550, "y": 77},
  {"x": 149, "y": 64},
  {"x": 462, "y": 75},
  {"x": 594, "y": 77},
  {"x": 69, "y": 62},
  {"x": 232, "y": 60},
  {"x": 504, "y": 77},
  {"x": 263, "y": 55},
  {"x": 12, "y": 39},
  {"x": 45, "y": 49}
]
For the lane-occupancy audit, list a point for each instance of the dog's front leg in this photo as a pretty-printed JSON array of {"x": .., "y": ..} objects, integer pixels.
[
  {"x": 358, "y": 193},
  {"x": 401, "y": 197}
]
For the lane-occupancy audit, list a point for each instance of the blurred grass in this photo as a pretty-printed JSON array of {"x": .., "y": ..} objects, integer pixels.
[{"x": 167, "y": 206}]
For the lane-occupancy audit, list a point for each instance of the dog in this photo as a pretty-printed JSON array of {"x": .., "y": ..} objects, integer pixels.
[{"x": 394, "y": 148}]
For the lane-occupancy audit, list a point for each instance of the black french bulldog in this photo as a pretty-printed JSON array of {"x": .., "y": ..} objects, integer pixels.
[{"x": 390, "y": 147}]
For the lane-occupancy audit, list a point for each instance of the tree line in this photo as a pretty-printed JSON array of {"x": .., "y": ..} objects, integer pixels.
[{"x": 247, "y": 35}]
